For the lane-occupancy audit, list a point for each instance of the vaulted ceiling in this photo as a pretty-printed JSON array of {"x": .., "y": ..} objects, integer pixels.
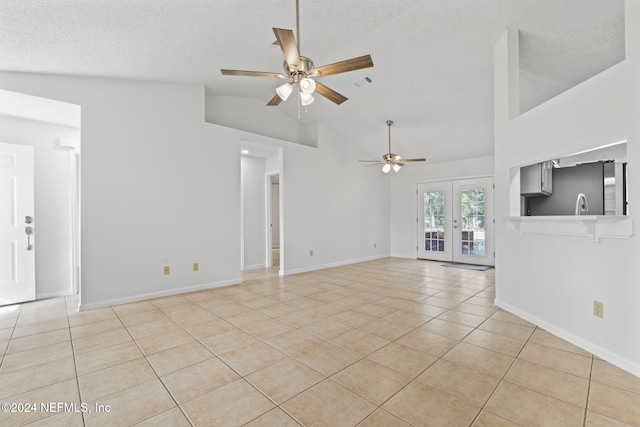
[{"x": 433, "y": 59}]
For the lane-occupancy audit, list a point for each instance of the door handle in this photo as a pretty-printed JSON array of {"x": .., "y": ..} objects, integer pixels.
[{"x": 28, "y": 230}]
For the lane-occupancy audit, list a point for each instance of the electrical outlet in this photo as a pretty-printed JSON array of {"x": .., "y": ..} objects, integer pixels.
[
  {"x": 167, "y": 270},
  {"x": 598, "y": 309},
  {"x": 195, "y": 266},
  {"x": 311, "y": 252}
]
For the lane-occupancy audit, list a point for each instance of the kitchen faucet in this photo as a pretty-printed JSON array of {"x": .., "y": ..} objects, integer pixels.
[{"x": 581, "y": 204}]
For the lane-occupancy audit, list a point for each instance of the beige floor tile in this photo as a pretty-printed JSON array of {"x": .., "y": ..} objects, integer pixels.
[
  {"x": 382, "y": 418},
  {"x": 246, "y": 318},
  {"x": 276, "y": 310},
  {"x": 234, "y": 404},
  {"x": 275, "y": 417},
  {"x": 36, "y": 356},
  {"x": 210, "y": 328},
  {"x": 98, "y": 341},
  {"x": 480, "y": 359},
  {"x": 552, "y": 382},
  {"x": 159, "y": 342},
  {"x": 354, "y": 319},
  {"x": 227, "y": 341},
  {"x": 505, "y": 316},
  {"x": 107, "y": 357},
  {"x": 452, "y": 330},
  {"x": 229, "y": 309},
  {"x": 403, "y": 359},
  {"x": 407, "y": 318},
  {"x": 171, "y": 301},
  {"x": 171, "y": 418},
  {"x": 615, "y": 403},
  {"x": 131, "y": 319},
  {"x": 179, "y": 357},
  {"x": 327, "y": 329},
  {"x": 385, "y": 329},
  {"x": 597, "y": 420},
  {"x": 371, "y": 380},
  {"x": 462, "y": 318},
  {"x": 360, "y": 342},
  {"x": 487, "y": 419},
  {"x": 17, "y": 345},
  {"x": 252, "y": 357},
  {"x": 294, "y": 342},
  {"x": 130, "y": 406},
  {"x": 606, "y": 373},
  {"x": 530, "y": 408},
  {"x": 465, "y": 383},
  {"x": 540, "y": 336},
  {"x": 35, "y": 377},
  {"x": 198, "y": 379},
  {"x": 40, "y": 327},
  {"x": 327, "y": 358},
  {"x": 557, "y": 359},
  {"x": 376, "y": 310},
  {"x": 512, "y": 330},
  {"x": 147, "y": 329},
  {"x": 328, "y": 404},
  {"x": 423, "y": 405},
  {"x": 192, "y": 316},
  {"x": 96, "y": 328},
  {"x": 61, "y": 419},
  {"x": 441, "y": 302},
  {"x": 268, "y": 328},
  {"x": 496, "y": 342},
  {"x": 134, "y": 307},
  {"x": 64, "y": 392},
  {"x": 427, "y": 342},
  {"x": 285, "y": 379},
  {"x": 102, "y": 383},
  {"x": 425, "y": 309}
]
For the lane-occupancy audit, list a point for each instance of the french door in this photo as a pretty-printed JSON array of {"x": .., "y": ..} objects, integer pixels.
[
  {"x": 17, "y": 249},
  {"x": 455, "y": 221}
]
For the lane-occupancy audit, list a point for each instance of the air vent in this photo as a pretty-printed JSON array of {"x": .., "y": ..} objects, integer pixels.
[{"x": 363, "y": 82}]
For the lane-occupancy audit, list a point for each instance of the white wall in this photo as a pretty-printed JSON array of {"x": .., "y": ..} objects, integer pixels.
[
  {"x": 404, "y": 199},
  {"x": 552, "y": 280},
  {"x": 253, "y": 183},
  {"x": 152, "y": 193},
  {"x": 52, "y": 217}
]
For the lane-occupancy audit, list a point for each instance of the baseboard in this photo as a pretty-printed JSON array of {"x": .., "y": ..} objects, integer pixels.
[
  {"x": 603, "y": 353},
  {"x": 331, "y": 265},
  {"x": 151, "y": 295},
  {"x": 254, "y": 267}
]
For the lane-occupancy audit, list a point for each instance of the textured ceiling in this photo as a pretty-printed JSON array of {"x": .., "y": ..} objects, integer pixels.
[{"x": 433, "y": 59}]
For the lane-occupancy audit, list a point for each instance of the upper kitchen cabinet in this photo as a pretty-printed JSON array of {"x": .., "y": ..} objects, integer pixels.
[{"x": 536, "y": 180}]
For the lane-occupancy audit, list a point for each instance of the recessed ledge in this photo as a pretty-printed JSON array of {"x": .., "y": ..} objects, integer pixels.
[{"x": 594, "y": 227}]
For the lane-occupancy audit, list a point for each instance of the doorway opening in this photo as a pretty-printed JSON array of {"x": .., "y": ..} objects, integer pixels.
[
  {"x": 455, "y": 221},
  {"x": 273, "y": 221}
]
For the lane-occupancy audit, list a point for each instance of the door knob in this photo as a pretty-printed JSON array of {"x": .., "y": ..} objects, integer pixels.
[{"x": 28, "y": 230}]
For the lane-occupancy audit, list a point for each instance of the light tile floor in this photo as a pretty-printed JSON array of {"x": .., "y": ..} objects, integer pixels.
[{"x": 390, "y": 342}]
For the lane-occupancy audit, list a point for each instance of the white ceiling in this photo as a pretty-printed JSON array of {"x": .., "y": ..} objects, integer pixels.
[{"x": 433, "y": 59}]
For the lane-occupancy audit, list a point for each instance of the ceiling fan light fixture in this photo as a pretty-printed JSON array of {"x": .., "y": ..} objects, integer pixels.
[
  {"x": 306, "y": 98},
  {"x": 386, "y": 168},
  {"x": 396, "y": 167},
  {"x": 284, "y": 91},
  {"x": 307, "y": 85}
]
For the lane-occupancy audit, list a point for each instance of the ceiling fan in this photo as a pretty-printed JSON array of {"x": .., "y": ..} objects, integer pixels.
[
  {"x": 391, "y": 160},
  {"x": 301, "y": 70}
]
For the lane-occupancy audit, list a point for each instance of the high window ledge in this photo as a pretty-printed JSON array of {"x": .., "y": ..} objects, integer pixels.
[{"x": 595, "y": 227}]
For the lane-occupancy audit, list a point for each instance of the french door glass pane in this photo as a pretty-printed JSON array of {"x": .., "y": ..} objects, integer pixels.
[
  {"x": 434, "y": 221},
  {"x": 472, "y": 204}
]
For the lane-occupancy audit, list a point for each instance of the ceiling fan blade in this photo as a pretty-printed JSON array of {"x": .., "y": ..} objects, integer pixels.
[
  {"x": 275, "y": 101},
  {"x": 330, "y": 94},
  {"x": 344, "y": 66},
  {"x": 374, "y": 164},
  {"x": 413, "y": 160},
  {"x": 288, "y": 45},
  {"x": 252, "y": 74}
]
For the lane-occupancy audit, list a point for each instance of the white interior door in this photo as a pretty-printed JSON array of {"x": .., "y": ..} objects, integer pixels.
[
  {"x": 455, "y": 221},
  {"x": 17, "y": 250}
]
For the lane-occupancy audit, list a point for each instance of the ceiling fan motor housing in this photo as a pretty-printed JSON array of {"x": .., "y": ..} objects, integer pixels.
[{"x": 298, "y": 71}]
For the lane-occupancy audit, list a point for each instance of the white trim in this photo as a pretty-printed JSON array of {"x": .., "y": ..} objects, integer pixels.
[
  {"x": 603, "y": 353},
  {"x": 55, "y": 294},
  {"x": 254, "y": 267},
  {"x": 333, "y": 264},
  {"x": 152, "y": 295}
]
